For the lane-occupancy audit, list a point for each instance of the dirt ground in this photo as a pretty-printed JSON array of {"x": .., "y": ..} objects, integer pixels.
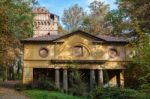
[{"x": 7, "y": 91}]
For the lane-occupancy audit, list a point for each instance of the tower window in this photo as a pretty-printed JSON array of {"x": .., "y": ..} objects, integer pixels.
[
  {"x": 52, "y": 16},
  {"x": 45, "y": 23},
  {"x": 48, "y": 23},
  {"x": 39, "y": 23},
  {"x": 42, "y": 23},
  {"x": 48, "y": 33}
]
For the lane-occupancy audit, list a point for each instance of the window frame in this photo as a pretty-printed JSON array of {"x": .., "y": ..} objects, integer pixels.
[{"x": 78, "y": 47}]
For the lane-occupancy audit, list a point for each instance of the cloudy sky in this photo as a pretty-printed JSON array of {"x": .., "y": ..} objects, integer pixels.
[{"x": 57, "y": 6}]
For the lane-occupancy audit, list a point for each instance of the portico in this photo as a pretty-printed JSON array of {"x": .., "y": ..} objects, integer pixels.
[{"x": 117, "y": 80}]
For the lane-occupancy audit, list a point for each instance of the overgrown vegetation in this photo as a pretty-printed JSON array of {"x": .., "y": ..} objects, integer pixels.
[
  {"x": 139, "y": 34},
  {"x": 20, "y": 87},
  {"x": 45, "y": 84},
  {"x": 117, "y": 93},
  {"x": 77, "y": 83},
  {"x": 41, "y": 94}
]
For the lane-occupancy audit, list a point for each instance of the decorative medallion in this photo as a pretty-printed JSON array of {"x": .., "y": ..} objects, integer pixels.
[
  {"x": 43, "y": 52},
  {"x": 113, "y": 52}
]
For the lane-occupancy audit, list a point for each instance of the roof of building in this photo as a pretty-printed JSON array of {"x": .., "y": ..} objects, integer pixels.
[
  {"x": 112, "y": 38},
  {"x": 43, "y": 38},
  {"x": 42, "y": 10},
  {"x": 54, "y": 38}
]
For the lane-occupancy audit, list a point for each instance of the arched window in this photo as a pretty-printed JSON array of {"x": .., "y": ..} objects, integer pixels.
[{"x": 78, "y": 51}]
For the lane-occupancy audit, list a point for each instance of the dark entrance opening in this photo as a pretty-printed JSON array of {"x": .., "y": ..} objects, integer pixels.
[
  {"x": 110, "y": 74},
  {"x": 84, "y": 76},
  {"x": 61, "y": 78},
  {"x": 43, "y": 73}
]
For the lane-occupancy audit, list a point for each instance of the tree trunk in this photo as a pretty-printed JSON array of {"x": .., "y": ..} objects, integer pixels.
[{"x": 5, "y": 73}]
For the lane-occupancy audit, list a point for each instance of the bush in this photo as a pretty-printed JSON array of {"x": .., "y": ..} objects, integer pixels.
[
  {"x": 140, "y": 78},
  {"x": 78, "y": 87},
  {"x": 117, "y": 93},
  {"x": 45, "y": 84},
  {"x": 20, "y": 87}
]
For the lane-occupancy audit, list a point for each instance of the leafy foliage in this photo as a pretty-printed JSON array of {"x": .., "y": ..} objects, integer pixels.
[
  {"x": 45, "y": 84},
  {"x": 95, "y": 22},
  {"x": 131, "y": 19},
  {"x": 117, "y": 93},
  {"x": 15, "y": 24},
  {"x": 119, "y": 22},
  {"x": 72, "y": 17},
  {"x": 77, "y": 83},
  {"x": 137, "y": 9}
]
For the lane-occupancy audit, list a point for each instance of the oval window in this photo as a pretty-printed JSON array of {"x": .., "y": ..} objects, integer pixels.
[{"x": 43, "y": 52}]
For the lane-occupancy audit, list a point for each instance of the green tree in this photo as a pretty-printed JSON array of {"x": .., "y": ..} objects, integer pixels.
[
  {"x": 15, "y": 24},
  {"x": 117, "y": 19},
  {"x": 96, "y": 22},
  {"x": 137, "y": 12},
  {"x": 72, "y": 17}
]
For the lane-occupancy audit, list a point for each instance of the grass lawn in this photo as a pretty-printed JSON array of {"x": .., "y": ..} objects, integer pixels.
[{"x": 40, "y": 94}]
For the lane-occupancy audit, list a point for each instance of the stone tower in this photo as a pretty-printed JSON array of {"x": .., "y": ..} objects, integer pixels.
[{"x": 45, "y": 23}]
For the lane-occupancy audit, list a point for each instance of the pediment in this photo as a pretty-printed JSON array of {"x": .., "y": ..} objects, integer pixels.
[{"x": 82, "y": 33}]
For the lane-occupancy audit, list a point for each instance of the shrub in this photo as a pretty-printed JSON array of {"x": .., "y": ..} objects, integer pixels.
[
  {"x": 117, "y": 93},
  {"x": 78, "y": 86},
  {"x": 45, "y": 84},
  {"x": 20, "y": 87}
]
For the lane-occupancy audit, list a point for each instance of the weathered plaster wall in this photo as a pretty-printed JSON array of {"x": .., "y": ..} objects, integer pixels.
[
  {"x": 31, "y": 51},
  {"x": 63, "y": 51}
]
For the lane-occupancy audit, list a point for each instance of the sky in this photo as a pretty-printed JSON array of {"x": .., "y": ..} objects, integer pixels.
[{"x": 57, "y": 6}]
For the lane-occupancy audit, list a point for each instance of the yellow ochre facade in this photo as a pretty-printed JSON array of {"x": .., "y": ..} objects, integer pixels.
[{"x": 96, "y": 55}]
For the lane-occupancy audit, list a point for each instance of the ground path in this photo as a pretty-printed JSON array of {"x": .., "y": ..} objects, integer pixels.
[{"x": 7, "y": 91}]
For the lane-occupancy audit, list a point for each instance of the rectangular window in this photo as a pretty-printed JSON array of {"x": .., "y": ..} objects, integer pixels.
[{"x": 78, "y": 51}]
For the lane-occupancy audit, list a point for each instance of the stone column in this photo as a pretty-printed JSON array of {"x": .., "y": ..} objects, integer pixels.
[
  {"x": 92, "y": 78},
  {"x": 27, "y": 75},
  {"x": 65, "y": 79},
  {"x": 57, "y": 78},
  {"x": 122, "y": 78},
  {"x": 100, "y": 78}
]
